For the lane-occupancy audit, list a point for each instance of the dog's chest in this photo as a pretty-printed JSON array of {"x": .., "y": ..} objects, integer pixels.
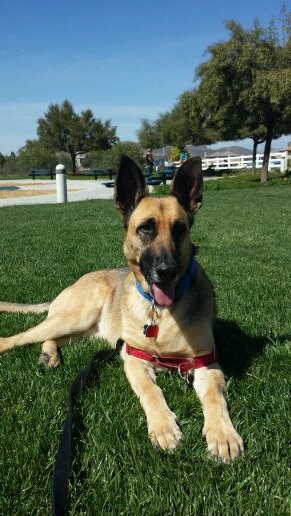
[
  {"x": 126, "y": 314},
  {"x": 161, "y": 333}
]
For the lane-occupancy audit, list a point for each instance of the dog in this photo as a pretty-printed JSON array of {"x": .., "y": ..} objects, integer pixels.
[{"x": 162, "y": 307}]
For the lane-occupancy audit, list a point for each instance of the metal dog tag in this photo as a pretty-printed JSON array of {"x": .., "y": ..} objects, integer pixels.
[{"x": 152, "y": 329}]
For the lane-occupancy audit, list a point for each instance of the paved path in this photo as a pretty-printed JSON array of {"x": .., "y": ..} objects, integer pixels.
[
  {"x": 78, "y": 190},
  {"x": 81, "y": 190}
]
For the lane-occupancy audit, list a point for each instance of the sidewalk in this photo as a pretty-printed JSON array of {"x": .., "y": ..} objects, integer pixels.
[{"x": 28, "y": 191}]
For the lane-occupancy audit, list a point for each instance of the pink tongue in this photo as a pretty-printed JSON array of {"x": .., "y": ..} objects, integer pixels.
[{"x": 164, "y": 293}]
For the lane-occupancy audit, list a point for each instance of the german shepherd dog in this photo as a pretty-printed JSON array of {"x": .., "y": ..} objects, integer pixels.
[{"x": 162, "y": 307}]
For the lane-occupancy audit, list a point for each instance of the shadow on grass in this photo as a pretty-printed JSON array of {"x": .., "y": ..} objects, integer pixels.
[{"x": 236, "y": 349}]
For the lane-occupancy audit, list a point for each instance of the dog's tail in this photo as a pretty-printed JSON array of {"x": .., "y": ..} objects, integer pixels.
[{"x": 25, "y": 309}]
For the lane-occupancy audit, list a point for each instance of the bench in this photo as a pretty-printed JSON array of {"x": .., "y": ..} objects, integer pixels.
[
  {"x": 99, "y": 172},
  {"x": 153, "y": 181},
  {"x": 149, "y": 179},
  {"x": 41, "y": 172},
  {"x": 167, "y": 173}
]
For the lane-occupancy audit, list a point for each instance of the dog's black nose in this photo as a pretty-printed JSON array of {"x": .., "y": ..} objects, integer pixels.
[{"x": 166, "y": 271}]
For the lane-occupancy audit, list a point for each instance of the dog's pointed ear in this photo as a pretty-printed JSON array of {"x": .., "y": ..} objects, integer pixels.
[
  {"x": 130, "y": 186},
  {"x": 187, "y": 185}
]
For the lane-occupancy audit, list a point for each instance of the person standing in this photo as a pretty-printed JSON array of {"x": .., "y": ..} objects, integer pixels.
[
  {"x": 149, "y": 161},
  {"x": 183, "y": 155}
]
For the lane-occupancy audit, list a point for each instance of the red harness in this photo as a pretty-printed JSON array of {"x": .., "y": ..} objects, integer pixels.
[{"x": 180, "y": 364}]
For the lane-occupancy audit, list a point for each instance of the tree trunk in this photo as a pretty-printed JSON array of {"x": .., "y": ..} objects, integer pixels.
[
  {"x": 73, "y": 157},
  {"x": 267, "y": 152},
  {"x": 255, "y": 145}
]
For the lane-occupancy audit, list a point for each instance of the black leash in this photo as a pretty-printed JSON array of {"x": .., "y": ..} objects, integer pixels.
[{"x": 62, "y": 469}]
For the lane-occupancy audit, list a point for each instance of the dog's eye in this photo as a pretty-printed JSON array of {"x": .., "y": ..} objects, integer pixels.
[
  {"x": 147, "y": 228},
  {"x": 179, "y": 229}
]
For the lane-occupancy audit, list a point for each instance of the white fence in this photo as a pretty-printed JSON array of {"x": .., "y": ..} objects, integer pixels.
[{"x": 278, "y": 160}]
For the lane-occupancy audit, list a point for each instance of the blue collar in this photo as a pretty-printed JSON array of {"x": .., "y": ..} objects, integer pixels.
[{"x": 180, "y": 288}]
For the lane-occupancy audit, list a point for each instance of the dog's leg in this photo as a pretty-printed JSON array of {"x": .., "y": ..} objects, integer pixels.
[
  {"x": 74, "y": 312},
  {"x": 222, "y": 439},
  {"x": 163, "y": 429},
  {"x": 50, "y": 356},
  {"x": 53, "y": 328}
]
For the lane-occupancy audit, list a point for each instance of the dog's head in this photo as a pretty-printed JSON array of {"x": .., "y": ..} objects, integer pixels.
[{"x": 157, "y": 244}]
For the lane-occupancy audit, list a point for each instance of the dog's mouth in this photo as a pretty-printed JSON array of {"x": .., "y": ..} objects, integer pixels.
[
  {"x": 161, "y": 272},
  {"x": 163, "y": 293}
]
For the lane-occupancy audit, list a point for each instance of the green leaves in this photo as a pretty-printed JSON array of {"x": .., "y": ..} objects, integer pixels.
[
  {"x": 62, "y": 129},
  {"x": 245, "y": 86},
  {"x": 183, "y": 124}
]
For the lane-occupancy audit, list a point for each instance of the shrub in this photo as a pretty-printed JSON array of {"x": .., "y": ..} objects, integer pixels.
[
  {"x": 176, "y": 152},
  {"x": 32, "y": 155},
  {"x": 110, "y": 158}
]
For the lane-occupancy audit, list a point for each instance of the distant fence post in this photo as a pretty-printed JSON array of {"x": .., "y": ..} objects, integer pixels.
[
  {"x": 284, "y": 162},
  {"x": 61, "y": 182}
]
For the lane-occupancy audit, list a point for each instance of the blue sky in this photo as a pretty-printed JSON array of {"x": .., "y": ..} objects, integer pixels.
[{"x": 126, "y": 60}]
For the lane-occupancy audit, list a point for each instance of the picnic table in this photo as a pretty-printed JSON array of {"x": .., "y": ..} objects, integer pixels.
[
  {"x": 151, "y": 180},
  {"x": 154, "y": 181},
  {"x": 167, "y": 173},
  {"x": 42, "y": 172}
]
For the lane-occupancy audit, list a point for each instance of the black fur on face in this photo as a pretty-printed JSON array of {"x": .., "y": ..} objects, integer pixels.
[{"x": 159, "y": 268}]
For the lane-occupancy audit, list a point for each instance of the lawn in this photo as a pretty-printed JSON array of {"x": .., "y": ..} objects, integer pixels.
[{"x": 244, "y": 238}]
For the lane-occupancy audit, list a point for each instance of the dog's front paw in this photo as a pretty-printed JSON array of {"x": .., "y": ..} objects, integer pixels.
[
  {"x": 164, "y": 432},
  {"x": 51, "y": 361},
  {"x": 223, "y": 442}
]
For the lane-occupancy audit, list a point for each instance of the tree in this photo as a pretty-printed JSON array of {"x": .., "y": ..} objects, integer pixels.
[
  {"x": 240, "y": 87},
  {"x": 2, "y": 159},
  {"x": 257, "y": 135},
  {"x": 193, "y": 116},
  {"x": 62, "y": 129},
  {"x": 271, "y": 96},
  {"x": 35, "y": 155},
  {"x": 32, "y": 155},
  {"x": 173, "y": 127},
  {"x": 148, "y": 136},
  {"x": 11, "y": 167},
  {"x": 257, "y": 140},
  {"x": 180, "y": 126}
]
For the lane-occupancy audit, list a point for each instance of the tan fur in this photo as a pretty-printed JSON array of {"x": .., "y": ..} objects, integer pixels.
[
  {"x": 25, "y": 309},
  {"x": 107, "y": 304}
]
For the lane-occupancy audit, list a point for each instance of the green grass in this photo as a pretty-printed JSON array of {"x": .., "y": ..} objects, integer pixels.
[
  {"x": 239, "y": 181},
  {"x": 243, "y": 181},
  {"x": 244, "y": 238}
]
